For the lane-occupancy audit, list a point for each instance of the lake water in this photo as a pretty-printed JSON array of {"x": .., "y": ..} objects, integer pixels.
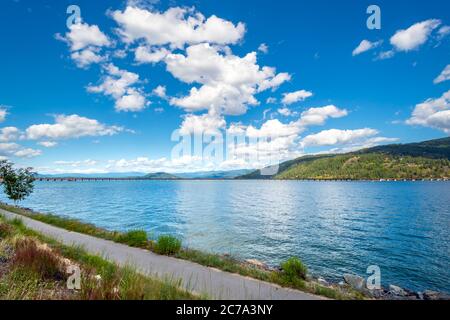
[{"x": 334, "y": 227}]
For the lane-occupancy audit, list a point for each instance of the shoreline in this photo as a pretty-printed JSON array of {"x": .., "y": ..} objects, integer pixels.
[
  {"x": 346, "y": 289},
  {"x": 223, "y": 263},
  {"x": 192, "y": 277},
  {"x": 236, "y": 179}
]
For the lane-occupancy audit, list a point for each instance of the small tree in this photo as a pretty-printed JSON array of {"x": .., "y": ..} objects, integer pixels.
[{"x": 17, "y": 183}]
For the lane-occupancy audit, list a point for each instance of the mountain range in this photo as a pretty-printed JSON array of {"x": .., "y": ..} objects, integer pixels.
[
  {"x": 154, "y": 176},
  {"x": 424, "y": 160}
]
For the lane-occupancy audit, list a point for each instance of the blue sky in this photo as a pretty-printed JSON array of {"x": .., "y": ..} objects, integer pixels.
[{"x": 306, "y": 76}]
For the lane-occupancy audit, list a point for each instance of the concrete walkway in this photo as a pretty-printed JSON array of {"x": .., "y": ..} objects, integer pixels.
[{"x": 213, "y": 283}]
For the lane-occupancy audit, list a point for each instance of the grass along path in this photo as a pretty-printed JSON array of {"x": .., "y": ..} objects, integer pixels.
[
  {"x": 34, "y": 267},
  {"x": 167, "y": 245},
  {"x": 192, "y": 277}
]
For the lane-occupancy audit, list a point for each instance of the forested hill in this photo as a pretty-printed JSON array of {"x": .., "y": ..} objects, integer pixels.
[{"x": 425, "y": 160}]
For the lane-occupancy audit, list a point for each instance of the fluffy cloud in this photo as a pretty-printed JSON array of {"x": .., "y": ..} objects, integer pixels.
[
  {"x": 434, "y": 113},
  {"x": 264, "y": 48},
  {"x": 383, "y": 55},
  {"x": 274, "y": 128},
  {"x": 360, "y": 144},
  {"x": 274, "y": 82},
  {"x": 293, "y": 97},
  {"x": 276, "y": 141},
  {"x": 285, "y": 112},
  {"x": 415, "y": 36},
  {"x": 443, "y": 32},
  {"x": 119, "y": 84},
  {"x": 318, "y": 116},
  {"x": 311, "y": 117},
  {"x": 160, "y": 91},
  {"x": 82, "y": 35},
  {"x": 9, "y": 134},
  {"x": 444, "y": 76},
  {"x": 366, "y": 45},
  {"x": 85, "y": 42},
  {"x": 3, "y": 113},
  {"x": 86, "y": 57},
  {"x": 175, "y": 27},
  {"x": 203, "y": 124},
  {"x": 205, "y": 64},
  {"x": 337, "y": 137},
  {"x": 264, "y": 152},
  {"x": 221, "y": 97},
  {"x": 229, "y": 83},
  {"x": 145, "y": 54},
  {"x": 48, "y": 144},
  {"x": 72, "y": 126},
  {"x": 131, "y": 101},
  {"x": 16, "y": 150},
  {"x": 27, "y": 153}
]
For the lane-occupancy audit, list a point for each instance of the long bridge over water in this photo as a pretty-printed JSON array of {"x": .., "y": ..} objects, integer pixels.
[{"x": 74, "y": 179}]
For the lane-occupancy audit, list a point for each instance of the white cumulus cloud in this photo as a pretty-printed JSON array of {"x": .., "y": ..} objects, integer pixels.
[
  {"x": 202, "y": 124},
  {"x": 175, "y": 27},
  {"x": 86, "y": 57},
  {"x": 72, "y": 126},
  {"x": 13, "y": 149},
  {"x": 337, "y": 137},
  {"x": 264, "y": 48},
  {"x": 293, "y": 97},
  {"x": 228, "y": 82},
  {"x": 3, "y": 113},
  {"x": 434, "y": 113},
  {"x": 415, "y": 36},
  {"x": 9, "y": 134},
  {"x": 364, "y": 46},
  {"x": 444, "y": 76},
  {"x": 318, "y": 116},
  {"x": 144, "y": 54},
  {"x": 82, "y": 35},
  {"x": 48, "y": 144},
  {"x": 120, "y": 84},
  {"x": 85, "y": 42}
]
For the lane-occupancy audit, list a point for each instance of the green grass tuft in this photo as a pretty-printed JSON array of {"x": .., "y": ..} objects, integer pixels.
[
  {"x": 134, "y": 238},
  {"x": 167, "y": 245}
]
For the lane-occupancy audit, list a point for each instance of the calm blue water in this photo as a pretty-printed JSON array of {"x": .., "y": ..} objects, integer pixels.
[{"x": 335, "y": 227}]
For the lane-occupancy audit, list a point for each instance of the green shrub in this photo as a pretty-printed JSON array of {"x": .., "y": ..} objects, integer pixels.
[
  {"x": 294, "y": 269},
  {"x": 168, "y": 245},
  {"x": 134, "y": 238}
]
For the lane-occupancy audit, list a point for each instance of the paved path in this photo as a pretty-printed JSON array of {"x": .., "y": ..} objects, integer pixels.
[{"x": 196, "y": 278}]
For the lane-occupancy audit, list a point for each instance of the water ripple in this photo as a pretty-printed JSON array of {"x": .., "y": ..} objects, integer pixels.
[{"x": 334, "y": 227}]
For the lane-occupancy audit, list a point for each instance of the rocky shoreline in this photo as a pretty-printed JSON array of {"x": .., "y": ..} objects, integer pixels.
[
  {"x": 358, "y": 283},
  {"x": 393, "y": 292}
]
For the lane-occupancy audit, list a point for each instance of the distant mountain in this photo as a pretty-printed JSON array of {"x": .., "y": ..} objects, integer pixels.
[
  {"x": 424, "y": 160},
  {"x": 160, "y": 176},
  {"x": 155, "y": 176},
  {"x": 214, "y": 174}
]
